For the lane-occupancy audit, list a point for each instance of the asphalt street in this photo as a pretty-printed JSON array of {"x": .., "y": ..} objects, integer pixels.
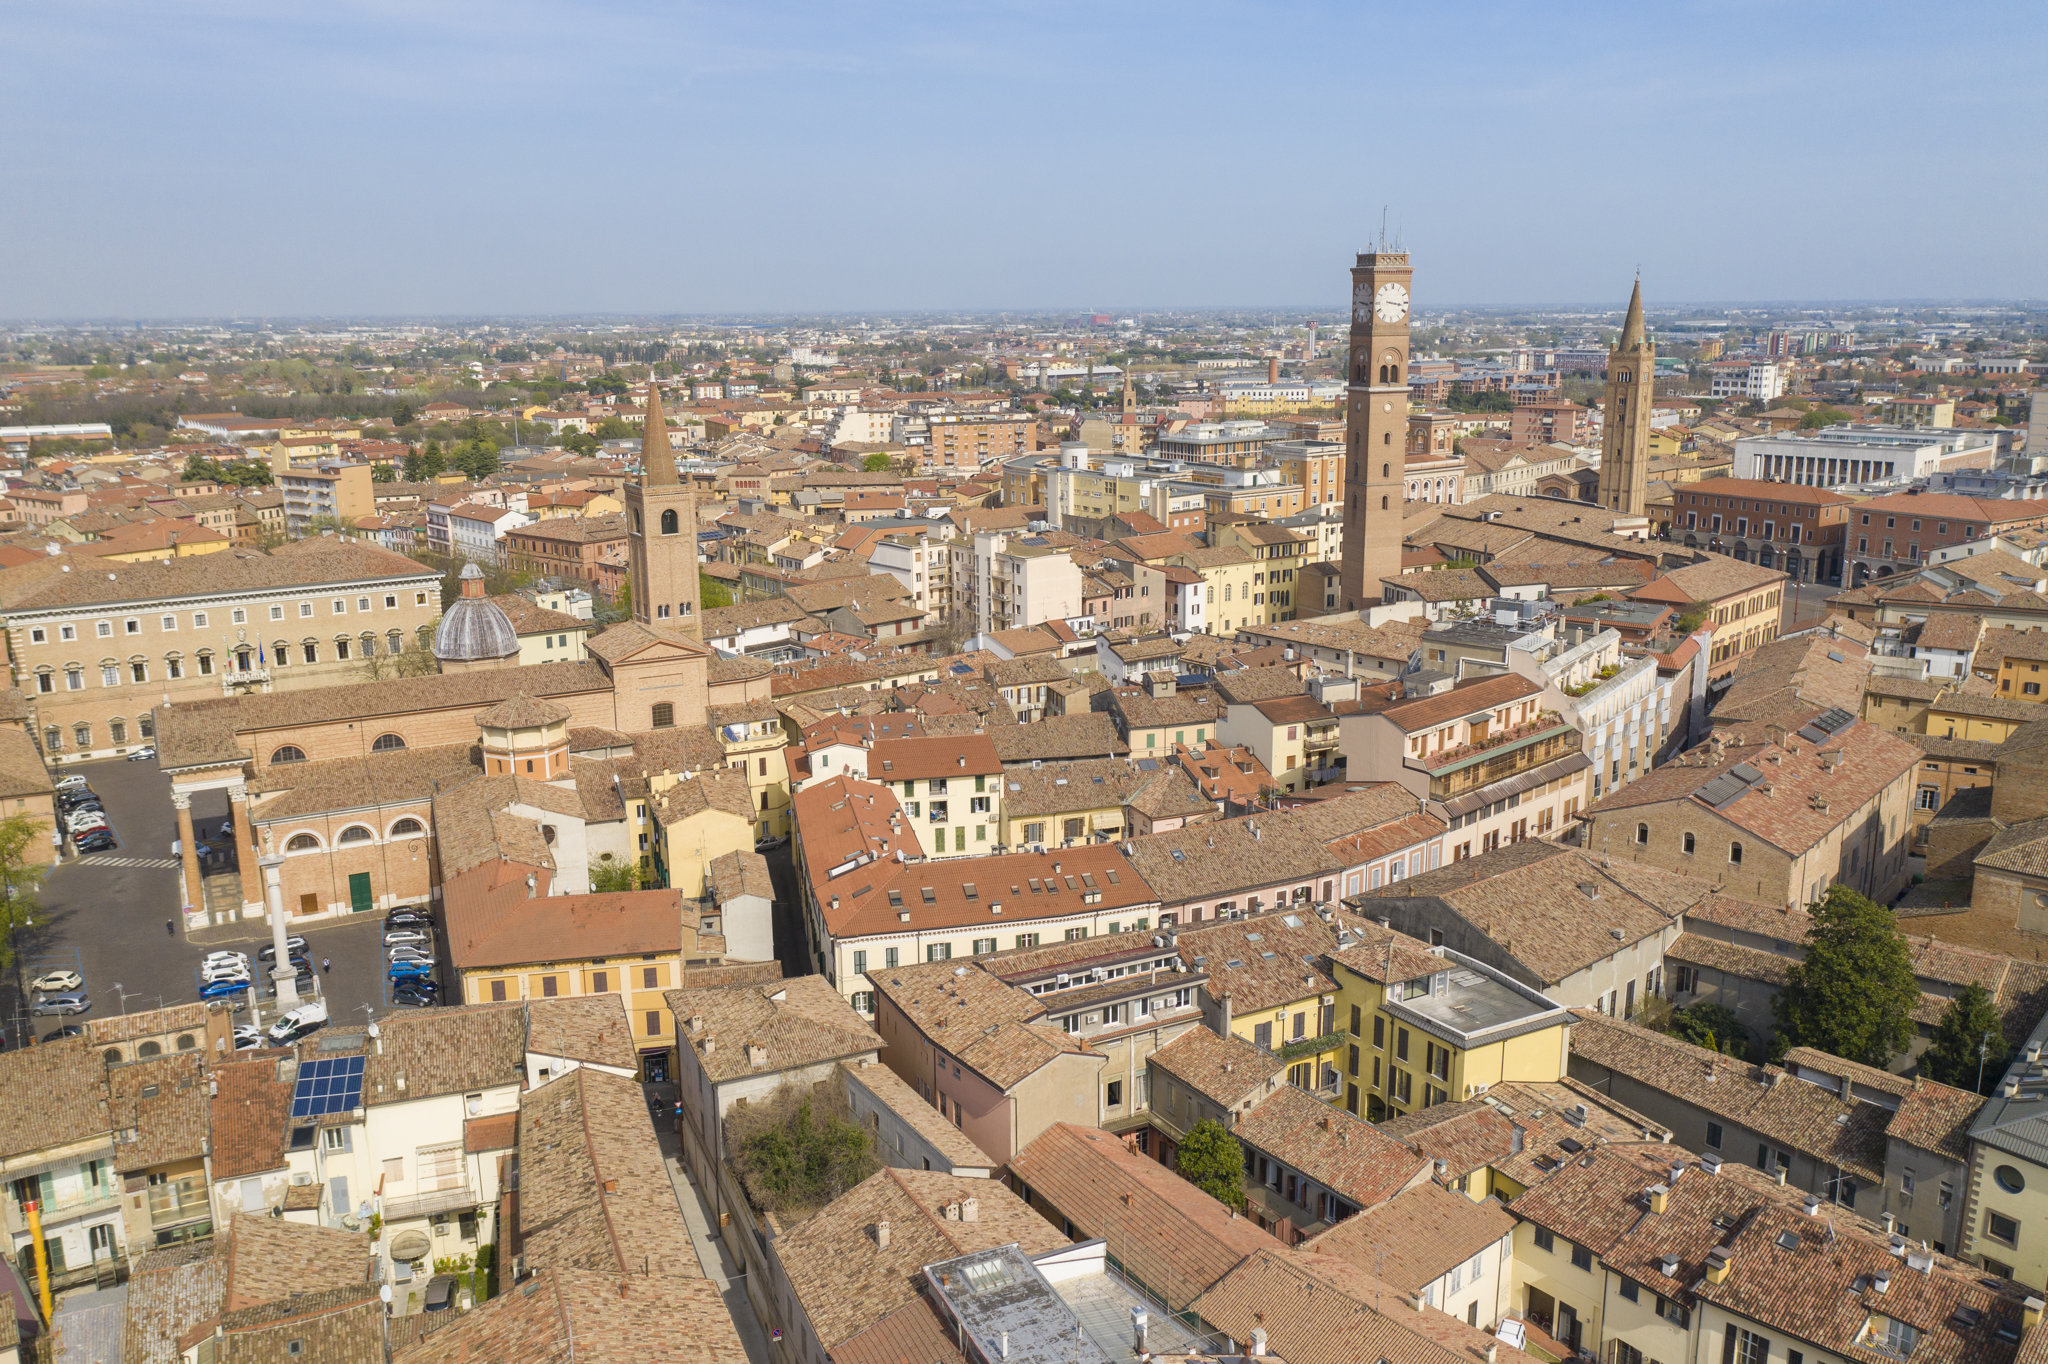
[{"x": 105, "y": 917}]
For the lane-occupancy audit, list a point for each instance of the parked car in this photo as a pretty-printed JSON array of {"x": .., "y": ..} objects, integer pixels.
[
  {"x": 59, "y": 1034},
  {"x": 400, "y": 969},
  {"x": 70, "y": 783},
  {"x": 769, "y": 844},
  {"x": 440, "y": 1293},
  {"x": 64, "y": 1002},
  {"x": 406, "y": 935},
  {"x": 58, "y": 980},
  {"x": 142, "y": 754},
  {"x": 81, "y": 797},
  {"x": 412, "y": 996},
  {"x": 94, "y": 842},
  {"x": 247, "y": 1035},
  {"x": 299, "y": 1021},
  {"x": 408, "y": 952},
  {"x": 216, "y": 958},
  {"x": 226, "y": 985},
  {"x": 407, "y": 915},
  {"x": 293, "y": 945},
  {"x": 85, "y": 821}
]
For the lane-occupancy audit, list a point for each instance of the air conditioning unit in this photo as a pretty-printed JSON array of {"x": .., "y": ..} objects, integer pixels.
[
  {"x": 1061, "y": 980},
  {"x": 1329, "y": 999},
  {"x": 302, "y": 1178}
]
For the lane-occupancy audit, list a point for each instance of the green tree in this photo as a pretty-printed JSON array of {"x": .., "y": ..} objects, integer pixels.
[
  {"x": 403, "y": 415},
  {"x": 1853, "y": 995},
  {"x": 799, "y": 1150},
  {"x": 1213, "y": 1162},
  {"x": 412, "y": 470},
  {"x": 712, "y": 593},
  {"x": 433, "y": 463},
  {"x": 1818, "y": 417},
  {"x": 1969, "y": 1042},
  {"x": 384, "y": 473},
  {"x": 612, "y": 428},
  {"x": 1712, "y": 1026},
  {"x": 875, "y": 463},
  {"x": 478, "y": 459},
  {"x": 21, "y": 881},
  {"x": 623, "y": 603},
  {"x": 608, "y": 874}
]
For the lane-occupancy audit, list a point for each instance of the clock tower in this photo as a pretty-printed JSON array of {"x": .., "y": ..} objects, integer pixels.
[{"x": 1376, "y": 426}]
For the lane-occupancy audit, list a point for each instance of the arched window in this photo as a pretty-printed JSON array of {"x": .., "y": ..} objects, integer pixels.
[
  {"x": 386, "y": 743},
  {"x": 1688, "y": 842},
  {"x": 1386, "y": 471},
  {"x": 112, "y": 1056},
  {"x": 302, "y": 843},
  {"x": 1642, "y": 833},
  {"x": 341, "y": 643},
  {"x": 669, "y": 524},
  {"x": 280, "y": 654},
  {"x": 369, "y": 645},
  {"x": 289, "y": 753},
  {"x": 312, "y": 651},
  {"x": 394, "y": 642},
  {"x": 1735, "y": 853},
  {"x": 187, "y": 1042},
  {"x": 408, "y": 825},
  {"x": 355, "y": 833},
  {"x": 149, "y": 1049},
  {"x": 1383, "y": 504},
  {"x": 206, "y": 662}
]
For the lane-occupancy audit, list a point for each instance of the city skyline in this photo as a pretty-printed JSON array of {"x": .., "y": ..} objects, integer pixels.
[{"x": 373, "y": 161}]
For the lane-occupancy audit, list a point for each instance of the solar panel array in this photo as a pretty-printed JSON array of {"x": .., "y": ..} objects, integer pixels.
[
  {"x": 1828, "y": 722},
  {"x": 329, "y": 1085}
]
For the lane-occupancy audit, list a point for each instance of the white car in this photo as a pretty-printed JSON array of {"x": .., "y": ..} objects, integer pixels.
[
  {"x": 225, "y": 971},
  {"x": 407, "y": 952},
  {"x": 85, "y": 819},
  {"x": 58, "y": 980},
  {"x": 247, "y": 1036},
  {"x": 235, "y": 958},
  {"x": 70, "y": 783},
  {"x": 407, "y": 937},
  {"x": 299, "y": 1021}
]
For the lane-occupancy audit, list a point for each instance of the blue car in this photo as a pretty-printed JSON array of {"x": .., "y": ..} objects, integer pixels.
[
  {"x": 403, "y": 969},
  {"x": 221, "y": 988}
]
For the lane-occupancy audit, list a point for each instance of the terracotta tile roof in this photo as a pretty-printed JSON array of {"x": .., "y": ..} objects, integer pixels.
[
  {"x": 589, "y": 1028},
  {"x": 248, "y": 1117},
  {"x": 913, "y": 1331},
  {"x": 520, "y": 711},
  {"x": 445, "y": 1051},
  {"x": 978, "y": 1019},
  {"x": 844, "y": 1282},
  {"x": 594, "y": 1193},
  {"x": 330, "y": 1326},
  {"x": 1227, "y": 1071},
  {"x": 911, "y": 1107},
  {"x": 1806, "y": 801},
  {"x": 1765, "y": 1099},
  {"x": 1086, "y": 734},
  {"x": 1815, "y": 670},
  {"x": 922, "y": 759},
  {"x": 192, "y": 733},
  {"x": 1342, "y": 1153},
  {"x": 70, "y": 1084},
  {"x": 270, "y": 1259},
  {"x": 550, "y": 928},
  {"x": 294, "y": 790},
  {"x": 1141, "y": 710},
  {"x": 1221, "y": 858},
  {"x": 799, "y": 1022},
  {"x": 1532, "y": 898},
  {"x": 599, "y": 1318},
  {"x": 1423, "y": 1233},
  {"x": 1166, "y": 1231},
  {"x": 499, "y": 1132},
  {"x": 1693, "y": 949},
  {"x": 1318, "y": 1309},
  {"x": 45, "y": 586},
  {"x": 170, "y": 1292},
  {"x": 164, "y": 1099},
  {"x": 1059, "y": 787},
  {"x": 1465, "y": 698},
  {"x": 1958, "y": 631}
]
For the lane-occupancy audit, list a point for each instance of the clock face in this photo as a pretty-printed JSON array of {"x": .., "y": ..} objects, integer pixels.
[{"x": 1390, "y": 304}]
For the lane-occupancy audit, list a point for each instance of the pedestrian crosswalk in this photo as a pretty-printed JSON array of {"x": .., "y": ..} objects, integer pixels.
[{"x": 108, "y": 860}]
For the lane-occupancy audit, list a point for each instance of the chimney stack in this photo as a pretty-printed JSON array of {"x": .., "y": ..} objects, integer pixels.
[
  {"x": 882, "y": 1234},
  {"x": 1272, "y": 369}
]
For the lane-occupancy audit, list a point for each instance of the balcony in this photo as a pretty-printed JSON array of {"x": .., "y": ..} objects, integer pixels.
[
  {"x": 1322, "y": 741},
  {"x": 427, "y": 1204},
  {"x": 181, "y": 1201},
  {"x": 1508, "y": 754},
  {"x": 63, "y": 1209}
]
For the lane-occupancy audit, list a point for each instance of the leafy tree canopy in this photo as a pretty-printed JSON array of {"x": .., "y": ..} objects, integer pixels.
[
  {"x": 1969, "y": 1042},
  {"x": 1853, "y": 995},
  {"x": 1213, "y": 1162}
]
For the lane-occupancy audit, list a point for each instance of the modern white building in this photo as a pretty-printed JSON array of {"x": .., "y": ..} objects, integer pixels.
[
  {"x": 1839, "y": 455},
  {"x": 1006, "y": 581},
  {"x": 1759, "y": 380},
  {"x": 477, "y": 532}
]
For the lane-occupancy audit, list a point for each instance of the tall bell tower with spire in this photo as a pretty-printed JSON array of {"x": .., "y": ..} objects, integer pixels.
[
  {"x": 661, "y": 532},
  {"x": 1625, "y": 432}
]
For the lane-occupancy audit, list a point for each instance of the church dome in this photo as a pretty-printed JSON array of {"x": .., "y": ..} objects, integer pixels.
[{"x": 475, "y": 629}]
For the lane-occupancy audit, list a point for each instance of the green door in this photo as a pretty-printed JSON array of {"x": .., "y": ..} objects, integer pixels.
[{"x": 359, "y": 892}]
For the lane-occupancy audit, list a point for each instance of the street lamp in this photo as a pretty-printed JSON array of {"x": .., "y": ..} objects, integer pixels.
[
  {"x": 121, "y": 991},
  {"x": 1983, "y": 1055}
]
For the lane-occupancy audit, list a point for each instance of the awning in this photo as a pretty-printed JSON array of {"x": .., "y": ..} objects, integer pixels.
[{"x": 1527, "y": 781}]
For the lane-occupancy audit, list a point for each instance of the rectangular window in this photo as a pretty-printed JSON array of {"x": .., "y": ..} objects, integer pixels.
[
  {"x": 1400, "y": 1044},
  {"x": 860, "y": 963},
  {"x": 497, "y": 992},
  {"x": 983, "y": 946},
  {"x": 654, "y": 1022},
  {"x": 1714, "y": 1135},
  {"x": 1379, "y": 1032},
  {"x": 547, "y": 987},
  {"x": 2001, "y": 1228},
  {"x": 891, "y": 957},
  {"x": 1748, "y": 1347},
  {"x": 650, "y": 977},
  {"x": 1582, "y": 1257},
  {"x": 1544, "y": 1240}
]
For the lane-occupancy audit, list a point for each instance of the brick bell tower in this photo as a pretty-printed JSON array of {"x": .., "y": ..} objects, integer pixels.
[
  {"x": 661, "y": 533},
  {"x": 1625, "y": 432},
  {"x": 1376, "y": 426}
]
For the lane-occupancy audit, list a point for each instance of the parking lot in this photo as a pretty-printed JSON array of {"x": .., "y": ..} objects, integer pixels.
[{"x": 106, "y": 915}]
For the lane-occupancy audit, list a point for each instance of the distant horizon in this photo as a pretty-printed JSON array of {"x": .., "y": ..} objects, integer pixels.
[
  {"x": 800, "y": 159},
  {"x": 994, "y": 315}
]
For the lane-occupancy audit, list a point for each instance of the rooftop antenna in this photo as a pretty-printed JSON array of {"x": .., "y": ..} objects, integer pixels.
[{"x": 1383, "y": 227}]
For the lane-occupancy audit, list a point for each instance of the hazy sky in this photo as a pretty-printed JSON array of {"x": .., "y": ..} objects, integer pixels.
[{"x": 443, "y": 156}]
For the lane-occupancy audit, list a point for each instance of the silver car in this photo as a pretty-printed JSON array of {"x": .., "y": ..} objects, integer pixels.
[{"x": 68, "y": 1002}]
